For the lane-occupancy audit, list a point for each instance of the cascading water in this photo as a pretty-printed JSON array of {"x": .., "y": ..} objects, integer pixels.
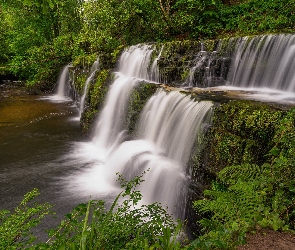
[
  {"x": 264, "y": 61},
  {"x": 133, "y": 68},
  {"x": 155, "y": 74},
  {"x": 167, "y": 129},
  {"x": 93, "y": 70},
  {"x": 200, "y": 64},
  {"x": 259, "y": 68},
  {"x": 208, "y": 68},
  {"x": 62, "y": 84},
  {"x": 65, "y": 89}
]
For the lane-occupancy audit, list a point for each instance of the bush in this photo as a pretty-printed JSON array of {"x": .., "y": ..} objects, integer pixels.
[
  {"x": 15, "y": 227},
  {"x": 126, "y": 225},
  {"x": 249, "y": 196}
]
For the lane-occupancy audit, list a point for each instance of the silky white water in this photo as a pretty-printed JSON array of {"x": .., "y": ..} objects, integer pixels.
[
  {"x": 89, "y": 79},
  {"x": 168, "y": 126},
  {"x": 62, "y": 92},
  {"x": 265, "y": 61},
  {"x": 133, "y": 68},
  {"x": 263, "y": 67}
]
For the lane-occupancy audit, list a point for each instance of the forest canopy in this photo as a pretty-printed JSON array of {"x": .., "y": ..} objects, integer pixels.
[{"x": 38, "y": 37}]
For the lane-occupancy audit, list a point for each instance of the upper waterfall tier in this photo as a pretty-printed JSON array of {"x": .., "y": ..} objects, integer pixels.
[
  {"x": 249, "y": 62},
  {"x": 135, "y": 62},
  {"x": 133, "y": 68},
  {"x": 264, "y": 61}
]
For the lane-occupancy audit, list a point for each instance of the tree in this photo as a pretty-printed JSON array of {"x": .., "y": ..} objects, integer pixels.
[{"x": 34, "y": 31}]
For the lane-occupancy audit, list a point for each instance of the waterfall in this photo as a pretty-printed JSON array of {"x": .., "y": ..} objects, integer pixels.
[
  {"x": 133, "y": 68},
  {"x": 65, "y": 89},
  {"x": 155, "y": 74},
  {"x": 264, "y": 61},
  {"x": 170, "y": 123},
  {"x": 198, "y": 70},
  {"x": 167, "y": 132},
  {"x": 257, "y": 68},
  {"x": 168, "y": 127},
  {"x": 93, "y": 70},
  {"x": 208, "y": 68},
  {"x": 62, "y": 84}
]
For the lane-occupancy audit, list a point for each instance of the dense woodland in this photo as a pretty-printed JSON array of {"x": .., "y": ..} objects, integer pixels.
[{"x": 38, "y": 37}]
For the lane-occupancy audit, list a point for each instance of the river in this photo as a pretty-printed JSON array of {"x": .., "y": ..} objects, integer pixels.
[{"x": 36, "y": 135}]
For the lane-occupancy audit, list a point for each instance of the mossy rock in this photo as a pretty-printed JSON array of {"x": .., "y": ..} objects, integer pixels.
[
  {"x": 176, "y": 58},
  {"x": 179, "y": 57},
  {"x": 138, "y": 99},
  {"x": 242, "y": 132},
  {"x": 95, "y": 98}
]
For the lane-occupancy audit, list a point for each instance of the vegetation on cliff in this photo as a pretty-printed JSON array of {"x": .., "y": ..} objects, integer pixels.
[
  {"x": 39, "y": 36},
  {"x": 251, "y": 152}
]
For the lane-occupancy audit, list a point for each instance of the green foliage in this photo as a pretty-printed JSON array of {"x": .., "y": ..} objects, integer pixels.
[
  {"x": 4, "y": 45},
  {"x": 248, "y": 196},
  {"x": 39, "y": 37},
  {"x": 138, "y": 99},
  {"x": 243, "y": 132},
  {"x": 96, "y": 97},
  {"x": 256, "y": 17},
  {"x": 84, "y": 60},
  {"x": 15, "y": 227},
  {"x": 41, "y": 64},
  {"x": 125, "y": 225},
  {"x": 197, "y": 19}
]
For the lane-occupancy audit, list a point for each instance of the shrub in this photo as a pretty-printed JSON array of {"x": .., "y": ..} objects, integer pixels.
[
  {"x": 126, "y": 225},
  {"x": 249, "y": 196}
]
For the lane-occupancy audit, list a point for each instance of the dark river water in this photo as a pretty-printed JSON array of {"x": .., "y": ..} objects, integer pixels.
[{"x": 36, "y": 134}]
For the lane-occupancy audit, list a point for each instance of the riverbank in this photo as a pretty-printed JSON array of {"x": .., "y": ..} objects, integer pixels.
[{"x": 10, "y": 89}]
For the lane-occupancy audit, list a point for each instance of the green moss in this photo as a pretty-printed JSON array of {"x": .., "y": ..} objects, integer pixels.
[
  {"x": 87, "y": 118},
  {"x": 185, "y": 74},
  {"x": 138, "y": 99},
  {"x": 209, "y": 44},
  {"x": 242, "y": 132},
  {"x": 116, "y": 52},
  {"x": 176, "y": 59},
  {"x": 80, "y": 80},
  {"x": 95, "y": 98},
  {"x": 99, "y": 90}
]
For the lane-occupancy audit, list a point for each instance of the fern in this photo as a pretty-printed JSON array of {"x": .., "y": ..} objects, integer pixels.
[
  {"x": 250, "y": 195},
  {"x": 244, "y": 172}
]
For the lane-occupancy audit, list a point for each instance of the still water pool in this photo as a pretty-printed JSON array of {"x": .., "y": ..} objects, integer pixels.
[{"x": 36, "y": 133}]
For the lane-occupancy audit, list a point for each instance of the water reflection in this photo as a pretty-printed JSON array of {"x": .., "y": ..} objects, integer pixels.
[{"x": 34, "y": 133}]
